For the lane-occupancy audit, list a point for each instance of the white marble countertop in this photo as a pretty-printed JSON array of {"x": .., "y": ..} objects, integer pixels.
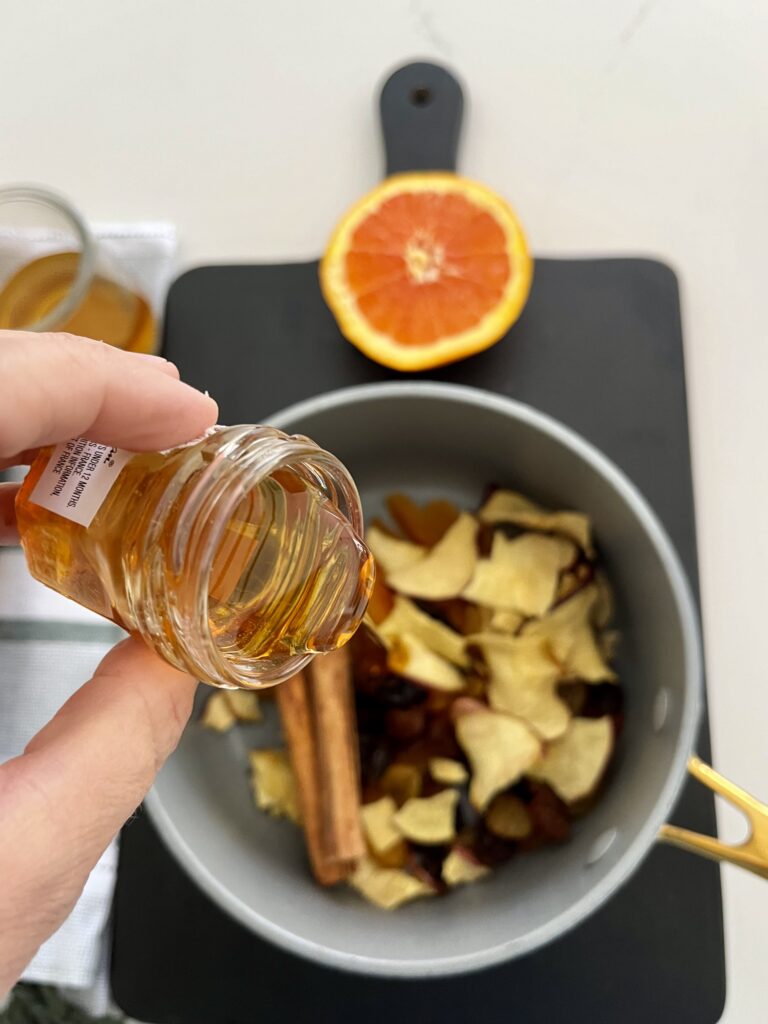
[{"x": 614, "y": 126}]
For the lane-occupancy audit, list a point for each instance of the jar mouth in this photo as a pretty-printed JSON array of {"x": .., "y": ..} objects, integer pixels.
[
  {"x": 86, "y": 263},
  {"x": 242, "y": 459}
]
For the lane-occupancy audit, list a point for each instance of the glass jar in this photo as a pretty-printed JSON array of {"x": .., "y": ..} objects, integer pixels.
[
  {"x": 237, "y": 557},
  {"x": 54, "y": 275}
]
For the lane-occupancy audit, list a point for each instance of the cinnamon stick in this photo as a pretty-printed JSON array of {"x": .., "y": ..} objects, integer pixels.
[
  {"x": 332, "y": 697},
  {"x": 299, "y": 728}
]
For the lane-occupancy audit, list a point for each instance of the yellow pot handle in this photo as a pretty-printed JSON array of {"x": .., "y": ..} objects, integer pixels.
[{"x": 752, "y": 854}]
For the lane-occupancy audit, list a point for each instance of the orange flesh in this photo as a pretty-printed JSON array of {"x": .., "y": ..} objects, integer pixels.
[{"x": 427, "y": 265}]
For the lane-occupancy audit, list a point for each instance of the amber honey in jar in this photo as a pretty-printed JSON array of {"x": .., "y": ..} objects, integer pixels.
[{"x": 237, "y": 557}]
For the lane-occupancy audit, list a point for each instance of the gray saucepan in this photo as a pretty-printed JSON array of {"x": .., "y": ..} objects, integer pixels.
[{"x": 433, "y": 440}]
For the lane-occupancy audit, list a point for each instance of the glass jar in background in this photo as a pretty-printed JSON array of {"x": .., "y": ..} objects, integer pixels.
[
  {"x": 237, "y": 557},
  {"x": 53, "y": 276}
]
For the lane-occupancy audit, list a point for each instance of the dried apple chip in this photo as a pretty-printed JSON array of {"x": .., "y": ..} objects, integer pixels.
[
  {"x": 505, "y": 621},
  {"x": 244, "y": 705},
  {"x": 508, "y": 817},
  {"x": 521, "y": 574},
  {"x": 574, "y": 764},
  {"x": 430, "y": 820},
  {"x": 391, "y": 553},
  {"x": 387, "y": 888},
  {"x": 568, "y": 631},
  {"x": 500, "y": 749},
  {"x": 523, "y": 682},
  {"x": 602, "y": 610},
  {"x": 378, "y": 824},
  {"x": 274, "y": 785},
  {"x": 412, "y": 659},
  {"x": 460, "y": 867},
  {"x": 406, "y": 618},
  {"x": 511, "y": 507},
  {"x": 447, "y": 771},
  {"x": 446, "y": 569},
  {"x": 217, "y": 713}
]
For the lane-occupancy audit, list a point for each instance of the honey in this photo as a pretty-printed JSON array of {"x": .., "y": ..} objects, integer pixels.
[
  {"x": 238, "y": 557},
  {"x": 107, "y": 311}
]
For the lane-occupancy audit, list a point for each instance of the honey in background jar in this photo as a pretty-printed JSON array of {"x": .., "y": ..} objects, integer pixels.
[{"x": 108, "y": 311}]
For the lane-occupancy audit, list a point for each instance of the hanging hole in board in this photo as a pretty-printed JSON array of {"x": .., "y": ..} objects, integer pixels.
[{"x": 421, "y": 96}]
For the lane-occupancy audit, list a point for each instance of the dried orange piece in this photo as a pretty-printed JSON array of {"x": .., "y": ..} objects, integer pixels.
[
  {"x": 426, "y": 269},
  {"x": 422, "y": 524}
]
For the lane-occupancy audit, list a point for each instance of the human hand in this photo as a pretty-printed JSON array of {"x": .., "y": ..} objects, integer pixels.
[{"x": 81, "y": 777}]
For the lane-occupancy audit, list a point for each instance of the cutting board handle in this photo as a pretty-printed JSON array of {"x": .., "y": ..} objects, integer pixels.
[{"x": 421, "y": 108}]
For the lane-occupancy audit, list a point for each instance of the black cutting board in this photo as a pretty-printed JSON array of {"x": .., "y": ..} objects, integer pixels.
[{"x": 599, "y": 346}]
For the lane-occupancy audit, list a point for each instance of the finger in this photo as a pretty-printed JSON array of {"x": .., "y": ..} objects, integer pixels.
[
  {"x": 80, "y": 778},
  {"x": 8, "y": 532},
  {"x": 19, "y": 459},
  {"x": 55, "y": 386},
  {"x": 159, "y": 363}
]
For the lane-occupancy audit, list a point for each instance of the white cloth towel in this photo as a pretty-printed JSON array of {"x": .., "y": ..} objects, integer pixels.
[{"x": 49, "y": 646}]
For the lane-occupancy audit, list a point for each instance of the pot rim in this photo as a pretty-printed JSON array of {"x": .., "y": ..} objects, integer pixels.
[{"x": 691, "y": 711}]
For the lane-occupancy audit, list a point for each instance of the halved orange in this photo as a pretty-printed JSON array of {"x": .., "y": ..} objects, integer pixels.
[{"x": 427, "y": 268}]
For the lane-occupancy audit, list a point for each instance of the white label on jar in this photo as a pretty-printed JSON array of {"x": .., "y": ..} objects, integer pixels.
[{"x": 78, "y": 478}]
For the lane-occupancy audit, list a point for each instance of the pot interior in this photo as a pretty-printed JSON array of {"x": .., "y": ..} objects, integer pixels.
[{"x": 436, "y": 441}]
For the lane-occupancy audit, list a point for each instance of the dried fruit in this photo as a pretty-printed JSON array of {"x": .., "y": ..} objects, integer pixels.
[
  {"x": 500, "y": 749},
  {"x": 521, "y": 574},
  {"x": 387, "y": 888},
  {"x": 378, "y": 824},
  {"x": 446, "y": 569},
  {"x": 409, "y": 657},
  {"x": 548, "y": 814},
  {"x": 391, "y": 553},
  {"x": 406, "y": 723},
  {"x": 402, "y": 782},
  {"x": 511, "y": 507},
  {"x": 217, "y": 713},
  {"x": 244, "y": 705},
  {"x": 274, "y": 785},
  {"x": 523, "y": 682},
  {"x": 574, "y": 764},
  {"x": 429, "y": 820},
  {"x": 406, "y": 617},
  {"x": 460, "y": 866},
  {"x": 395, "y": 857},
  {"x": 508, "y": 817},
  {"x": 381, "y": 602},
  {"x": 568, "y": 631},
  {"x": 602, "y": 609},
  {"x": 503, "y": 620},
  {"x": 447, "y": 771},
  {"x": 422, "y": 524}
]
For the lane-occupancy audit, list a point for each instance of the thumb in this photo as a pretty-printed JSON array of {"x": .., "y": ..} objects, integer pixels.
[{"x": 80, "y": 778}]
